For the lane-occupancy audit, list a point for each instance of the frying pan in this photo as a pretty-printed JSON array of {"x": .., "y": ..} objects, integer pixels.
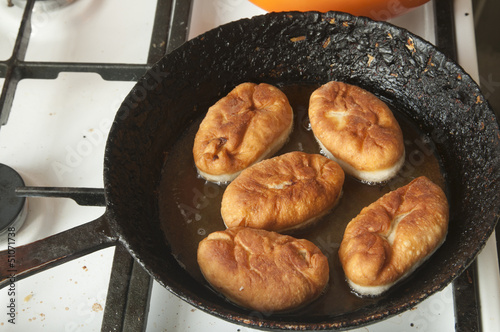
[{"x": 433, "y": 92}]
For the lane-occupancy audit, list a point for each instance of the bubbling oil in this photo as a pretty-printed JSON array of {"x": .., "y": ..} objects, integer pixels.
[{"x": 190, "y": 206}]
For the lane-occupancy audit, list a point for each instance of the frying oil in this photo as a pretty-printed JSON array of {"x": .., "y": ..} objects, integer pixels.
[{"x": 190, "y": 206}]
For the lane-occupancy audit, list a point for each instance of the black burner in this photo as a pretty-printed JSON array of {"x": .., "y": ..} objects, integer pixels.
[{"x": 13, "y": 209}]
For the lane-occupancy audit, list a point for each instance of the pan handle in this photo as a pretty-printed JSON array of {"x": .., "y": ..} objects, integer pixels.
[
  {"x": 17, "y": 263},
  {"x": 82, "y": 196}
]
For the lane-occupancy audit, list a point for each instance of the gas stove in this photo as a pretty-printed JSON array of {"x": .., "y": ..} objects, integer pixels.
[{"x": 72, "y": 72}]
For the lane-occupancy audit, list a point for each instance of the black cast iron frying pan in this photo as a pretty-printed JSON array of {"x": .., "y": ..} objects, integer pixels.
[{"x": 314, "y": 48}]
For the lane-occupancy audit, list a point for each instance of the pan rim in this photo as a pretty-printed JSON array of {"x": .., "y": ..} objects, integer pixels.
[{"x": 265, "y": 323}]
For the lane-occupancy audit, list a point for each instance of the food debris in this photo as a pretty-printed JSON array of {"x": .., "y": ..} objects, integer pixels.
[
  {"x": 410, "y": 45},
  {"x": 296, "y": 39},
  {"x": 326, "y": 42},
  {"x": 97, "y": 307},
  {"x": 370, "y": 59},
  {"x": 85, "y": 268},
  {"x": 28, "y": 297},
  {"x": 430, "y": 63}
]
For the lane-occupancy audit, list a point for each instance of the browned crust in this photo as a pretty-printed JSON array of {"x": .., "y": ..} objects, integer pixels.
[
  {"x": 355, "y": 126},
  {"x": 241, "y": 127},
  {"x": 366, "y": 254},
  {"x": 282, "y": 193},
  {"x": 263, "y": 270}
]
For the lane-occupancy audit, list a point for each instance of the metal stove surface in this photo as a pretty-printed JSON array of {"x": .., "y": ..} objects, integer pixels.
[{"x": 56, "y": 134}]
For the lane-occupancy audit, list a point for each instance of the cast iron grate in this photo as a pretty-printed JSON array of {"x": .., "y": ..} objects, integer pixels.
[
  {"x": 127, "y": 302},
  {"x": 169, "y": 31}
]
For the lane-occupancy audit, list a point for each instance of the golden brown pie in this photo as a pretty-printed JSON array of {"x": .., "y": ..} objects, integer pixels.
[
  {"x": 358, "y": 130},
  {"x": 262, "y": 270},
  {"x": 284, "y": 193},
  {"x": 391, "y": 237},
  {"x": 251, "y": 123}
]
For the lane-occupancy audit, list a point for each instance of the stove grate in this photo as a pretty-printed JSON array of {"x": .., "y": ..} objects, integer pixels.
[{"x": 169, "y": 31}]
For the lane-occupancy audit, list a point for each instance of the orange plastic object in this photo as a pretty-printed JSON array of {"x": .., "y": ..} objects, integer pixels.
[{"x": 379, "y": 10}]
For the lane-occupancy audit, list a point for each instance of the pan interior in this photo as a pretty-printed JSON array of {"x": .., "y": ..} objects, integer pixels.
[
  {"x": 431, "y": 96},
  {"x": 190, "y": 207}
]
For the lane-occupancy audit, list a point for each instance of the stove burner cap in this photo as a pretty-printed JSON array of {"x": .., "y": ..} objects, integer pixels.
[{"x": 13, "y": 209}]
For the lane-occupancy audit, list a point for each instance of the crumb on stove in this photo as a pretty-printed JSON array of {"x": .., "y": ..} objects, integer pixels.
[
  {"x": 96, "y": 307},
  {"x": 28, "y": 297}
]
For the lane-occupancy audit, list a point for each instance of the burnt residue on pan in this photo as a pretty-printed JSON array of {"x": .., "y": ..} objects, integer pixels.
[{"x": 434, "y": 94}]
